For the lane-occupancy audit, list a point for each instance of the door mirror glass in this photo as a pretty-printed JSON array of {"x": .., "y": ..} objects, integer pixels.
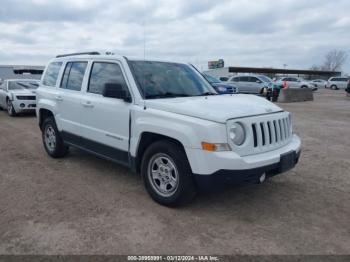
[{"x": 115, "y": 90}]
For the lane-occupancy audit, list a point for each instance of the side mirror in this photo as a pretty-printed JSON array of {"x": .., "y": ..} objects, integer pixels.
[
  {"x": 115, "y": 90},
  {"x": 258, "y": 81}
]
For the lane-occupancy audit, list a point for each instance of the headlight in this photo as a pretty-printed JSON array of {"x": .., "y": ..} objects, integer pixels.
[
  {"x": 222, "y": 89},
  {"x": 237, "y": 133}
]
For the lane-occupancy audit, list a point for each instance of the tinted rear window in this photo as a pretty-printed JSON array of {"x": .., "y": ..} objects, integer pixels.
[{"x": 51, "y": 74}]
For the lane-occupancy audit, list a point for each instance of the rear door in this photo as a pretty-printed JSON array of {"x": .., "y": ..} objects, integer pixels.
[
  {"x": 69, "y": 99},
  {"x": 244, "y": 86},
  {"x": 105, "y": 120},
  {"x": 343, "y": 82}
]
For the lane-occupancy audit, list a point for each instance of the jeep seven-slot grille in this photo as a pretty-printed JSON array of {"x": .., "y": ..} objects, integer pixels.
[{"x": 271, "y": 132}]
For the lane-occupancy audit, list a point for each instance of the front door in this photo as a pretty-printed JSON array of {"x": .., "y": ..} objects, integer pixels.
[{"x": 104, "y": 120}]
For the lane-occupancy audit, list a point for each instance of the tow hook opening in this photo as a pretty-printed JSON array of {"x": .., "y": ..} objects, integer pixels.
[{"x": 262, "y": 178}]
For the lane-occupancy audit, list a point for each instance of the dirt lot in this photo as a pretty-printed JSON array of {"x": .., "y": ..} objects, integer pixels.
[{"x": 85, "y": 205}]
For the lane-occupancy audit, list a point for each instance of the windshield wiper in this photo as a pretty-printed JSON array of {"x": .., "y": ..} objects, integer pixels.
[{"x": 166, "y": 95}]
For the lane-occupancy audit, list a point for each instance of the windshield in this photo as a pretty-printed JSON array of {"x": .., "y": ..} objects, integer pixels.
[
  {"x": 163, "y": 80},
  {"x": 265, "y": 79},
  {"x": 17, "y": 85},
  {"x": 212, "y": 79}
]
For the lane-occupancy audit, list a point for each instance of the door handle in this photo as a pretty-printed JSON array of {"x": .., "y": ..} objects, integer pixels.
[
  {"x": 88, "y": 104},
  {"x": 59, "y": 98}
]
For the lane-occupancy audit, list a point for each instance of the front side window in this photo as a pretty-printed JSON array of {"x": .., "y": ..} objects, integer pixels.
[
  {"x": 51, "y": 74},
  {"x": 265, "y": 79},
  {"x": 103, "y": 73},
  {"x": 166, "y": 80},
  {"x": 244, "y": 79},
  {"x": 253, "y": 79},
  {"x": 73, "y": 75},
  {"x": 235, "y": 79}
]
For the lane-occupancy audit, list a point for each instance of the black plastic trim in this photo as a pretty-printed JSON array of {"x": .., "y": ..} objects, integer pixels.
[{"x": 98, "y": 149}]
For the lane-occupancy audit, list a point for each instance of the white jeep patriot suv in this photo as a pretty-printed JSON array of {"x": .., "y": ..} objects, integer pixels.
[{"x": 163, "y": 120}]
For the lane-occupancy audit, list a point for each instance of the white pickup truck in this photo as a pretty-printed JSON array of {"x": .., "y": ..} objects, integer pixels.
[{"x": 163, "y": 120}]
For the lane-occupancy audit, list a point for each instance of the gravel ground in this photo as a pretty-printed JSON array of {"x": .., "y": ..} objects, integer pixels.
[{"x": 85, "y": 205}]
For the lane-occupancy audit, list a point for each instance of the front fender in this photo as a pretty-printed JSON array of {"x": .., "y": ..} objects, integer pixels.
[
  {"x": 189, "y": 131},
  {"x": 49, "y": 105}
]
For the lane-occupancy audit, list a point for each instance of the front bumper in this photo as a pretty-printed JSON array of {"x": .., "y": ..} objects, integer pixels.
[
  {"x": 24, "y": 105},
  {"x": 227, "y": 177},
  {"x": 210, "y": 166}
]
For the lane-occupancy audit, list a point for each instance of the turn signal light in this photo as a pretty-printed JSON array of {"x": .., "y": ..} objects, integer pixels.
[{"x": 215, "y": 147}]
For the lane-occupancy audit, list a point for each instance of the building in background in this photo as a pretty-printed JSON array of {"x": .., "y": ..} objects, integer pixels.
[
  {"x": 20, "y": 72},
  {"x": 216, "y": 64},
  {"x": 225, "y": 72}
]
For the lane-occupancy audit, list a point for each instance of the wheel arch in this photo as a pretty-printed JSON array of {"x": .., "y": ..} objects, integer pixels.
[
  {"x": 148, "y": 138},
  {"x": 43, "y": 114}
]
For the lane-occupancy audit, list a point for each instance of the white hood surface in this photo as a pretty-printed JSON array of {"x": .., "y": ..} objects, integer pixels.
[
  {"x": 218, "y": 108},
  {"x": 23, "y": 92}
]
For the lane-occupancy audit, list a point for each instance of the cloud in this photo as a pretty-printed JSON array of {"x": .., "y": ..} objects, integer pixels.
[{"x": 243, "y": 32}]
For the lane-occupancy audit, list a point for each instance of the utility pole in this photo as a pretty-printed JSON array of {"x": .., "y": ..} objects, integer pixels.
[
  {"x": 144, "y": 40},
  {"x": 285, "y": 66}
]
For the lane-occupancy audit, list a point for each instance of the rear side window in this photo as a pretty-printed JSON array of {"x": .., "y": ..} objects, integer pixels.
[
  {"x": 102, "y": 73},
  {"x": 51, "y": 74},
  {"x": 73, "y": 75}
]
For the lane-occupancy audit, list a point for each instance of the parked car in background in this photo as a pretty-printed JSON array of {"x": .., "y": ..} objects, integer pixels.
[
  {"x": 17, "y": 96},
  {"x": 348, "y": 88},
  {"x": 164, "y": 121},
  {"x": 253, "y": 84},
  {"x": 319, "y": 83},
  {"x": 295, "y": 82},
  {"x": 336, "y": 83},
  {"x": 220, "y": 87},
  {"x": 224, "y": 78}
]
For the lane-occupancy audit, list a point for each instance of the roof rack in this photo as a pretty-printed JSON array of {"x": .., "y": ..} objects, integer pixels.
[{"x": 73, "y": 54}]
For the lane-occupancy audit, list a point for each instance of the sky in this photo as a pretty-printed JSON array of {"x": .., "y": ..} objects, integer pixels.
[{"x": 262, "y": 33}]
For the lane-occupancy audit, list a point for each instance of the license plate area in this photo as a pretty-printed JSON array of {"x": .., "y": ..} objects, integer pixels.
[{"x": 287, "y": 161}]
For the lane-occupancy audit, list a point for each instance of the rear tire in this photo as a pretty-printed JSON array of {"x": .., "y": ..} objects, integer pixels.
[
  {"x": 167, "y": 174},
  {"x": 52, "y": 140}
]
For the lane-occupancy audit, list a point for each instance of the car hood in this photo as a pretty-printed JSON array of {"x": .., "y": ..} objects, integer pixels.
[
  {"x": 23, "y": 92},
  {"x": 218, "y": 108}
]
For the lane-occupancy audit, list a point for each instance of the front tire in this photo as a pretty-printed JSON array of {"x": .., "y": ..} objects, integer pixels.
[
  {"x": 52, "y": 140},
  {"x": 334, "y": 87},
  {"x": 167, "y": 174},
  {"x": 10, "y": 109}
]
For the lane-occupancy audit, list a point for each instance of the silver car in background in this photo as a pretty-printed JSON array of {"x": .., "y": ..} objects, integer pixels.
[
  {"x": 336, "y": 83},
  {"x": 18, "y": 95},
  {"x": 319, "y": 83},
  {"x": 252, "y": 84},
  {"x": 295, "y": 82}
]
